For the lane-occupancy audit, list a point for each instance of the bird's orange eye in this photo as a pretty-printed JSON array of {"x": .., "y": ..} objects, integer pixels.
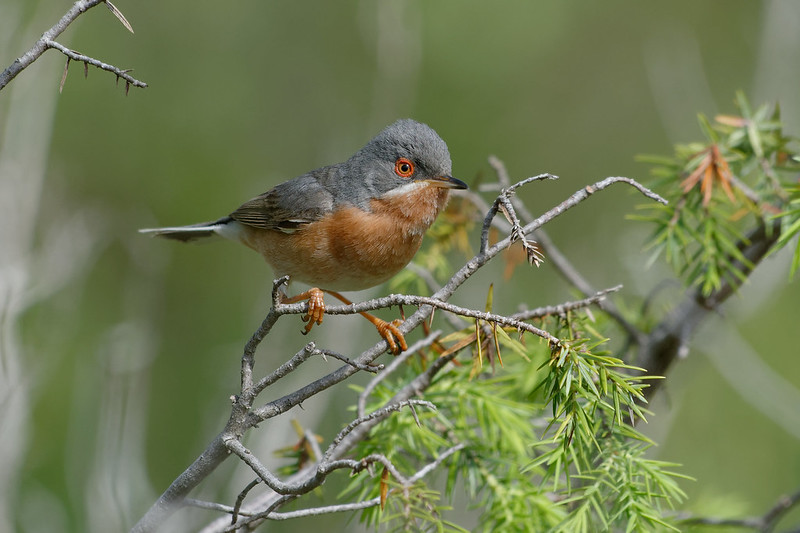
[{"x": 403, "y": 168}]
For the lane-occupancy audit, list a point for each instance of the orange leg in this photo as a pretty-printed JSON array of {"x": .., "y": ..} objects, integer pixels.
[
  {"x": 387, "y": 330},
  {"x": 316, "y": 307}
]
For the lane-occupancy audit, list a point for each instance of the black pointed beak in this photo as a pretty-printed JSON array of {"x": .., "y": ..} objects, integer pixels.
[{"x": 448, "y": 182}]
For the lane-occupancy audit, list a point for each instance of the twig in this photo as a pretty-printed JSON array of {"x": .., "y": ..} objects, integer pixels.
[
  {"x": 317, "y": 511},
  {"x": 47, "y": 41},
  {"x": 86, "y": 60},
  {"x": 564, "y": 308},
  {"x": 559, "y": 260},
  {"x": 391, "y": 367},
  {"x": 378, "y": 414},
  {"x": 324, "y": 468},
  {"x": 434, "y": 286},
  {"x": 308, "y": 351},
  {"x": 253, "y": 518},
  {"x": 214, "y": 506},
  {"x": 240, "y": 498},
  {"x": 355, "y": 364},
  {"x": 406, "y": 299},
  {"x": 430, "y": 467},
  {"x": 248, "y": 356},
  {"x": 419, "y": 383},
  {"x": 517, "y": 231}
]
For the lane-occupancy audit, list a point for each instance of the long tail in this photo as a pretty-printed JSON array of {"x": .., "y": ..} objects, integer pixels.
[{"x": 194, "y": 232}]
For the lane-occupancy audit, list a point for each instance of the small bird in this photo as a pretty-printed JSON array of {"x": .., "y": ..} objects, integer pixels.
[{"x": 348, "y": 226}]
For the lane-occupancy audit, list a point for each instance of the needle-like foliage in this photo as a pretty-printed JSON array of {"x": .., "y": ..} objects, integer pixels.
[{"x": 743, "y": 175}]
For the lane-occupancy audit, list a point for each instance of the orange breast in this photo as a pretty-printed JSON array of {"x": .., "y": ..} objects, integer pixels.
[{"x": 353, "y": 249}]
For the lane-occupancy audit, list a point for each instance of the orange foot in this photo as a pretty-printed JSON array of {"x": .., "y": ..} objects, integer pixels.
[
  {"x": 389, "y": 332},
  {"x": 316, "y": 307}
]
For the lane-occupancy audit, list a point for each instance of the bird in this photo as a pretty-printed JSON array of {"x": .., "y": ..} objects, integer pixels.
[{"x": 348, "y": 226}]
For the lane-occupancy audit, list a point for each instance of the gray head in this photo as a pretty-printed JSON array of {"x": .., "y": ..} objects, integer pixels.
[{"x": 404, "y": 152}]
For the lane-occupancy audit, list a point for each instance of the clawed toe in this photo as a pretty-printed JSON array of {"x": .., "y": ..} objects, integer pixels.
[
  {"x": 392, "y": 335},
  {"x": 316, "y": 311},
  {"x": 316, "y": 307}
]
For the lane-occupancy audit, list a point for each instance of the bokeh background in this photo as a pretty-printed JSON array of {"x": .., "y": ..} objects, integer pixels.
[{"x": 119, "y": 352}]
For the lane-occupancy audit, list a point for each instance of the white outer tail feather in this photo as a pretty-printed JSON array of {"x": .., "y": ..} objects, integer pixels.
[{"x": 197, "y": 232}]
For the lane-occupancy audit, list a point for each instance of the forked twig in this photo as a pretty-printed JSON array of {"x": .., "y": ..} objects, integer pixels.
[{"x": 47, "y": 41}]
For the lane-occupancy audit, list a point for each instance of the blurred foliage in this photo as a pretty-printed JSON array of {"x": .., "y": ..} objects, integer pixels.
[
  {"x": 741, "y": 178},
  {"x": 130, "y": 362},
  {"x": 580, "y": 467}
]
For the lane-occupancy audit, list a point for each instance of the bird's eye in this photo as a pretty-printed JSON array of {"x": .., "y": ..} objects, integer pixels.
[{"x": 403, "y": 168}]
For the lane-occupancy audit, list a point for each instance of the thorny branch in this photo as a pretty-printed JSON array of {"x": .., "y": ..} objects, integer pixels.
[
  {"x": 560, "y": 261},
  {"x": 245, "y": 414},
  {"x": 391, "y": 367},
  {"x": 47, "y": 41},
  {"x": 566, "y": 307},
  {"x": 409, "y": 300},
  {"x": 252, "y": 519}
]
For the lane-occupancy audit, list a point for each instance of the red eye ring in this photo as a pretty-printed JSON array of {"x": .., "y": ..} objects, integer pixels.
[{"x": 404, "y": 168}]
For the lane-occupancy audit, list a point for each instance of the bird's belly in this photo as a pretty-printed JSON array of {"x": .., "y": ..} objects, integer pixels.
[
  {"x": 352, "y": 249},
  {"x": 326, "y": 255}
]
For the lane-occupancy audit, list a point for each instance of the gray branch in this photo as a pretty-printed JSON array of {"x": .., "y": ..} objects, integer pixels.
[
  {"x": 396, "y": 363},
  {"x": 252, "y": 519},
  {"x": 408, "y": 299},
  {"x": 47, "y": 41},
  {"x": 562, "y": 309}
]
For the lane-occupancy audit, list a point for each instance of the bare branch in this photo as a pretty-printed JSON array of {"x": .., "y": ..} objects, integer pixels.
[
  {"x": 434, "y": 286},
  {"x": 240, "y": 498},
  {"x": 213, "y": 506},
  {"x": 254, "y": 518},
  {"x": 407, "y": 299},
  {"x": 559, "y": 260},
  {"x": 584, "y": 193},
  {"x": 378, "y": 414},
  {"x": 316, "y": 511},
  {"x": 391, "y": 367},
  {"x": 312, "y": 511},
  {"x": 86, "y": 60},
  {"x": 324, "y": 468},
  {"x": 414, "y": 387},
  {"x": 503, "y": 200},
  {"x": 366, "y": 368},
  {"x": 564, "y": 308},
  {"x": 47, "y": 41},
  {"x": 424, "y": 471}
]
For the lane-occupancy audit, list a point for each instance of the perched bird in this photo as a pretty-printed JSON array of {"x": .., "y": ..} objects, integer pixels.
[{"x": 348, "y": 226}]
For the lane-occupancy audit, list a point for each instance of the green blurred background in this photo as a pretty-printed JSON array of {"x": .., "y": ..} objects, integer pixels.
[{"x": 120, "y": 352}]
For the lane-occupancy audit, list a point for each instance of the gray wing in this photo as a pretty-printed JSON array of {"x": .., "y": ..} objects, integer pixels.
[{"x": 287, "y": 206}]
